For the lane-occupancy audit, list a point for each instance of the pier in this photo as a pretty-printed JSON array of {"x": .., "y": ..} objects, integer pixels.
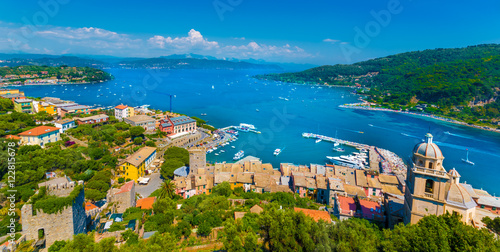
[{"x": 379, "y": 159}]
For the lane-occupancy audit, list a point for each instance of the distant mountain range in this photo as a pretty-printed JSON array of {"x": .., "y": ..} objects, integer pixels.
[{"x": 175, "y": 61}]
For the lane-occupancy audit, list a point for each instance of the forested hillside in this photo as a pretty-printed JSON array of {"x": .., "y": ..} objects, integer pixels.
[{"x": 460, "y": 82}]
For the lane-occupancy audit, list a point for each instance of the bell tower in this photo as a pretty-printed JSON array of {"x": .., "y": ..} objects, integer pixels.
[{"x": 426, "y": 182}]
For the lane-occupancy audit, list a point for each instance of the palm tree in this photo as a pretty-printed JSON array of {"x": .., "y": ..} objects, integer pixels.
[{"x": 167, "y": 189}]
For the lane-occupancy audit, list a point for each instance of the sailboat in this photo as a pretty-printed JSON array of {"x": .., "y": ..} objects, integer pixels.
[{"x": 467, "y": 159}]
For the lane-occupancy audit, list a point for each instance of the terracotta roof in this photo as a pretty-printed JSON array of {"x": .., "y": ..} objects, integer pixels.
[
  {"x": 256, "y": 209},
  {"x": 388, "y": 179},
  {"x": 370, "y": 209},
  {"x": 391, "y": 189},
  {"x": 361, "y": 178},
  {"x": 126, "y": 188},
  {"x": 221, "y": 177},
  {"x": 89, "y": 206},
  {"x": 299, "y": 181},
  {"x": 245, "y": 177},
  {"x": 373, "y": 182},
  {"x": 146, "y": 203},
  {"x": 354, "y": 190},
  {"x": 121, "y": 106},
  {"x": 347, "y": 205},
  {"x": 239, "y": 215},
  {"x": 138, "y": 157},
  {"x": 262, "y": 179},
  {"x": 315, "y": 214},
  {"x": 40, "y": 130},
  {"x": 12, "y": 137},
  {"x": 321, "y": 182}
]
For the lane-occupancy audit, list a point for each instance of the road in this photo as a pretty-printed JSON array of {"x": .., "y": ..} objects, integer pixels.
[{"x": 154, "y": 183}]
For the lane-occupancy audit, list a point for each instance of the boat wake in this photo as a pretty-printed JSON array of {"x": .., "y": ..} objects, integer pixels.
[
  {"x": 408, "y": 135},
  {"x": 462, "y": 136},
  {"x": 459, "y": 147}
]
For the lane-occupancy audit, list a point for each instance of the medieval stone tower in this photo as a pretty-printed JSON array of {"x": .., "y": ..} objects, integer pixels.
[
  {"x": 60, "y": 225},
  {"x": 426, "y": 182},
  {"x": 197, "y": 159}
]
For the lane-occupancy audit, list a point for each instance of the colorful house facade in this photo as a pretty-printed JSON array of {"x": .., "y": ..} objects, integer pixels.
[
  {"x": 41, "y": 135},
  {"x": 135, "y": 165},
  {"x": 23, "y": 106}
]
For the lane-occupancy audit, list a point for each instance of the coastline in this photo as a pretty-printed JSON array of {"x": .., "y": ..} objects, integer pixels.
[
  {"x": 51, "y": 84},
  {"x": 366, "y": 106}
]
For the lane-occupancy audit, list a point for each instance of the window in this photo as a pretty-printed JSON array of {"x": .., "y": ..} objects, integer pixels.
[
  {"x": 429, "y": 186},
  {"x": 431, "y": 165},
  {"x": 420, "y": 163},
  {"x": 374, "y": 193}
]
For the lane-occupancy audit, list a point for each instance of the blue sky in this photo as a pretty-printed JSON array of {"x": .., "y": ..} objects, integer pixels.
[{"x": 318, "y": 32}]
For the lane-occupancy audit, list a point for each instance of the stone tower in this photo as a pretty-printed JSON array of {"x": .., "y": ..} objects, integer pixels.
[
  {"x": 60, "y": 225},
  {"x": 426, "y": 187},
  {"x": 197, "y": 159}
]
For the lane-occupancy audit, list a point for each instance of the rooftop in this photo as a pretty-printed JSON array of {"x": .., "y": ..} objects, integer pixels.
[
  {"x": 38, "y": 131},
  {"x": 139, "y": 118},
  {"x": 315, "y": 214},
  {"x": 126, "y": 187},
  {"x": 94, "y": 117},
  {"x": 181, "y": 171},
  {"x": 146, "y": 203},
  {"x": 121, "y": 106},
  {"x": 182, "y": 120},
  {"x": 346, "y": 205},
  {"x": 22, "y": 100},
  {"x": 64, "y": 121},
  {"x": 75, "y": 107},
  {"x": 388, "y": 179},
  {"x": 138, "y": 157},
  {"x": 361, "y": 178},
  {"x": 489, "y": 201},
  {"x": 89, "y": 206}
]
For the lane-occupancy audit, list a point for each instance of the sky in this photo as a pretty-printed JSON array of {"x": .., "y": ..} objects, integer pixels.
[{"x": 315, "y": 32}]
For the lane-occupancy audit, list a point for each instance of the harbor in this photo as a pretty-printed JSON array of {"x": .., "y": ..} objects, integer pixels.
[{"x": 380, "y": 160}]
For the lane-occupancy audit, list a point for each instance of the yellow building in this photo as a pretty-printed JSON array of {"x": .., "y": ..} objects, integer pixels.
[
  {"x": 45, "y": 107},
  {"x": 10, "y": 91},
  {"x": 135, "y": 166}
]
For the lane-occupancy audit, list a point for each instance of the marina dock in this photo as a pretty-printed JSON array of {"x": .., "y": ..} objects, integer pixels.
[{"x": 380, "y": 160}]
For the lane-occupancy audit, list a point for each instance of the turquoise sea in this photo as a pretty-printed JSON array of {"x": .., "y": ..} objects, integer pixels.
[{"x": 285, "y": 111}]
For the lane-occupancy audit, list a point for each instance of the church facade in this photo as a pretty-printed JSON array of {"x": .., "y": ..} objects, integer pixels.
[{"x": 430, "y": 189}]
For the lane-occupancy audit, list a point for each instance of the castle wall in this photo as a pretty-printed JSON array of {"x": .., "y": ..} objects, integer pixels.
[{"x": 57, "y": 226}]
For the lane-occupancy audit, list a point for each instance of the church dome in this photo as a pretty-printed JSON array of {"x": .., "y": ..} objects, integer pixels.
[
  {"x": 454, "y": 173},
  {"x": 428, "y": 149}
]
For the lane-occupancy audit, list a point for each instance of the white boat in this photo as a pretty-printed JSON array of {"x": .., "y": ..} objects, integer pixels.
[
  {"x": 239, "y": 155},
  {"x": 213, "y": 87},
  {"x": 467, "y": 159},
  {"x": 318, "y": 140},
  {"x": 336, "y": 144},
  {"x": 346, "y": 162},
  {"x": 217, "y": 154},
  {"x": 339, "y": 149},
  {"x": 233, "y": 147},
  {"x": 246, "y": 125}
]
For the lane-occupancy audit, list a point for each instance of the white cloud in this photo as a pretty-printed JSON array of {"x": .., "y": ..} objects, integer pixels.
[
  {"x": 98, "y": 41},
  {"x": 194, "y": 40},
  {"x": 333, "y": 41}
]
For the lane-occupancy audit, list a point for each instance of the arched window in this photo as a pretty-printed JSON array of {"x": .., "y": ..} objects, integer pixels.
[
  {"x": 431, "y": 165},
  {"x": 429, "y": 186},
  {"x": 420, "y": 163}
]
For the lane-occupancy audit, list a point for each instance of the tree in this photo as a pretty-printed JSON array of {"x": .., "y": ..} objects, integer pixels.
[
  {"x": 136, "y": 131},
  {"x": 183, "y": 228},
  {"x": 493, "y": 225},
  {"x": 223, "y": 189},
  {"x": 169, "y": 166},
  {"x": 57, "y": 246},
  {"x": 251, "y": 242},
  {"x": 150, "y": 143},
  {"x": 138, "y": 140},
  {"x": 167, "y": 189},
  {"x": 204, "y": 229}
]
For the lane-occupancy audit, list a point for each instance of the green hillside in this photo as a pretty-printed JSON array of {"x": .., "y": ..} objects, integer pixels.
[{"x": 455, "y": 81}]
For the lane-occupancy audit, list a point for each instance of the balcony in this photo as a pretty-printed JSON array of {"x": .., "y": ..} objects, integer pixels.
[
  {"x": 429, "y": 195},
  {"x": 428, "y": 171}
]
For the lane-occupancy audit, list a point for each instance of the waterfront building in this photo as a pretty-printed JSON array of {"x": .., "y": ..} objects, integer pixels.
[
  {"x": 13, "y": 97},
  {"x": 123, "y": 111},
  {"x": 146, "y": 122},
  {"x": 39, "y": 106},
  {"x": 74, "y": 109},
  {"x": 177, "y": 125},
  {"x": 40, "y": 135},
  {"x": 23, "y": 106},
  {"x": 135, "y": 165},
  {"x": 432, "y": 190},
  {"x": 92, "y": 119},
  {"x": 65, "y": 124},
  {"x": 10, "y": 91}
]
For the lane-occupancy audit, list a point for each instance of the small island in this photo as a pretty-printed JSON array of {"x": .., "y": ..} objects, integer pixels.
[{"x": 48, "y": 75}]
